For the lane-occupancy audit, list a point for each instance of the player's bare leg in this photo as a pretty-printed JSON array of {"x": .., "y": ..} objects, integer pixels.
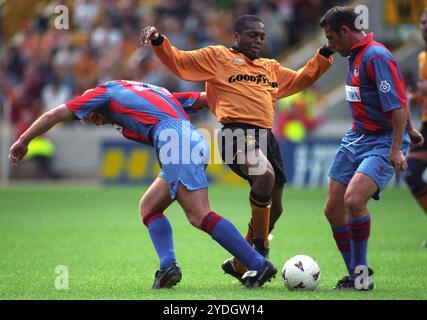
[
  {"x": 194, "y": 203},
  {"x": 276, "y": 206},
  {"x": 360, "y": 189},
  {"x": 260, "y": 201},
  {"x": 156, "y": 198},
  {"x": 336, "y": 215},
  {"x": 152, "y": 205},
  {"x": 261, "y": 172},
  {"x": 196, "y": 206},
  {"x": 334, "y": 207}
]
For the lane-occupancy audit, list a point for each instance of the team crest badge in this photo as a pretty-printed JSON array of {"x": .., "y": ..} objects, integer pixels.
[
  {"x": 239, "y": 60},
  {"x": 299, "y": 266},
  {"x": 250, "y": 140},
  {"x": 118, "y": 128},
  {"x": 385, "y": 86},
  {"x": 356, "y": 71},
  {"x": 381, "y": 169}
]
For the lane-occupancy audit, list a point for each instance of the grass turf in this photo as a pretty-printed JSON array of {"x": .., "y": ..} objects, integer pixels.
[{"x": 97, "y": 233}]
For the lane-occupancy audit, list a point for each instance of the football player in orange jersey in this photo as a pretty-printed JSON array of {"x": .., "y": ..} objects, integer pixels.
[
  {"x": 417, "y": 158},
  {"x": 241, "y": 90}
]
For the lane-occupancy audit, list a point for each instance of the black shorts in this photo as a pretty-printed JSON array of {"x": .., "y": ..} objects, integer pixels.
[
  {"x": 423, "y": 131},
  {"x": 250, "y": 136}
]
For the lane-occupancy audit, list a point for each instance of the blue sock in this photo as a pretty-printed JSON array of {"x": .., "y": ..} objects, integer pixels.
[
  {"x": 226, "y": 234},
  {"x": 359, "y": 234},
  {"x": 342, "y": 239},
  {"x": 161, "y": 235}
]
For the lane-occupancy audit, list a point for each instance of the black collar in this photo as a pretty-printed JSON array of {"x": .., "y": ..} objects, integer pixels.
[{"x": 252, "y": 58}]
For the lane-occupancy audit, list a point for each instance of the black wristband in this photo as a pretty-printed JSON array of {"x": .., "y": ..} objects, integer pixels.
[
  {"x": 324, "y": 51},
  {"x": 158, "y": 41}
]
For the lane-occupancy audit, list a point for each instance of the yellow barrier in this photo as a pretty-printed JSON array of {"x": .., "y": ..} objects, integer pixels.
[{"x": 132, "y": 165}]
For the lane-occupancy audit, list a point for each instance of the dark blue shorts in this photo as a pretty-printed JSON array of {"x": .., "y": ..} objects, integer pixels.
[
  {"x": 368, "y": 154},
  {"x": 182, "y": 153}
]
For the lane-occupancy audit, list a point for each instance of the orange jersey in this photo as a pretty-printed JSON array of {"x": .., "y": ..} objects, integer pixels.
[
  {"x": 240, "y": 90},
  {"x": 422, "y": 72}
]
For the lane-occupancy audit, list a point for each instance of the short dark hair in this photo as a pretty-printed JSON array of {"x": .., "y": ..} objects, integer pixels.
[
  {"x": 242, "y": 21},
  {"x": 338, "y": 17}
]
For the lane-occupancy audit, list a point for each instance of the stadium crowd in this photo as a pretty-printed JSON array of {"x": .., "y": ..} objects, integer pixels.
[{"x": 41, "y": 66}]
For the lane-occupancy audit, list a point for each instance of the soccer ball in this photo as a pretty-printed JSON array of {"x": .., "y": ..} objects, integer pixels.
[{"x": 301, "y": 273}]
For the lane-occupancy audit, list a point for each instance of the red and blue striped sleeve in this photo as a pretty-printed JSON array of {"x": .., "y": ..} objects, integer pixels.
[
  {"x": 389, "y": 82},
  {"x": 93, "y": 100},
  {"x": 187, "y": 100}
]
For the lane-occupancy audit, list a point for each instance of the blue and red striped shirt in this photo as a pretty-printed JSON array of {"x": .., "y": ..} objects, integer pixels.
[
  {"x": 134, "y": 107},
  {"x": 374, "y": 86}
]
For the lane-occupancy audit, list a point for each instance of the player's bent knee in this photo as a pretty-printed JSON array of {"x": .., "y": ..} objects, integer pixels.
[
  {"x": 354, "y": 203},
  {"x": 194, "y": 221},
  {"x": 414, "y": 176},
  {"x": 144, "y": 213},
  {"x": 276, "y": 210},
  {"x": 329, "y": 213},
  {"x": 333, "y": 213},
  {"x": 144, "y": 209},
  {"x": 264, "y": 181},
  {"x": 270, "y": 176},
  {"x": 275, "y": 214},
  {"x": 194, "y": 218}
]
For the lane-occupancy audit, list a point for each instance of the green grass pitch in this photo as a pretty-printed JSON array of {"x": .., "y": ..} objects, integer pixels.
[{"x": 97, "y": 233}]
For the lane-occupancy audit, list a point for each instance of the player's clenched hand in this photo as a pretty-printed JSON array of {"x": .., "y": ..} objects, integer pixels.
[
  {"x": 149, "y": 33},
  {"x": 327, "y": 50},
  {"x": 17, "y": 151},
  {"x": 417, "y": 139},
  {"x": 397, "y": 159}
]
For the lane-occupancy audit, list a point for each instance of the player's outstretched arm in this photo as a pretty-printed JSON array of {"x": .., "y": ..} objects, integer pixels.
[
  {"x": 194, "y": 65},
  {"x": 397, "y": 158},
  {"x": 43, "y": 124},
  {"x": 292, "y": 81}
]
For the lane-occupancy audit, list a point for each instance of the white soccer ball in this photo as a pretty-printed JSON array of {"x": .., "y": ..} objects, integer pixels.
[{"x": 301, "y": 273}]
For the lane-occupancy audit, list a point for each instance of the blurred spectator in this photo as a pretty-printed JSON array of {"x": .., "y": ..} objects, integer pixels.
[
  {"x": 85, "y": 13},
  {"x": 297, "y": 115},
  {"x": 42, "y": 67},
  {"x": 50, "y": 65},
  {"x": 106, "y": 36},
  {"x": 86, "y": 68},
  {"x": 55, "y": 93}
]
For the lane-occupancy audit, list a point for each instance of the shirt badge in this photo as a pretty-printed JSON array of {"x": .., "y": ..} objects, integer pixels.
[
  {"x": 239, "y": 60},
  {"x": 118, "y": 128},
  {"x": 250, "y": 140},
  {"x": 356, "y": 71},
  {"x": 385, "y": 86}
]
